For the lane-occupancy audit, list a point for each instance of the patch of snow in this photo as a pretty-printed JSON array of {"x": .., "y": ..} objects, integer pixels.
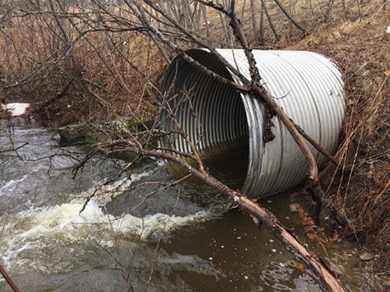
[
  {"x": 16, "y": 108},
  {"x": 388, "y": 29}
]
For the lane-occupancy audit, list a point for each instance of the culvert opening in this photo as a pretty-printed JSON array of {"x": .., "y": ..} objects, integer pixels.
[
  {"x": 210, "y": 114},
  {"x": 219, "y": 120}
]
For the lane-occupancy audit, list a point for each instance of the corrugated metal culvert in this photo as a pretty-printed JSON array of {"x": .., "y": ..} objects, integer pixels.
[{"x": 211, "y": 115}]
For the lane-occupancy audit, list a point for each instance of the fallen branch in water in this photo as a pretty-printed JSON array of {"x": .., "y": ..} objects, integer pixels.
[
  {"x": 326, "y": 279},
  {"x": 9, "y": 280},
  {"x": 320, "y": 273}
]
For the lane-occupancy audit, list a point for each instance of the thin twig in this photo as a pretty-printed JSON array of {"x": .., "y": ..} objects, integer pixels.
[{"x": 10, "y": 282}]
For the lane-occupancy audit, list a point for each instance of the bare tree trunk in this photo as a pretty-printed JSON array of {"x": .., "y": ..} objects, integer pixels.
[
  {"x": 59, "y": 24},
  {"x": 206, "y": 21},
  {"x": 242, "y": 9},
  {"x": 344, "y": 9},
  {"x": 270, "y": 20},
  {"x": 311, "y": 7},
  {"x": 359, "y": 9},
  {"x": 328, "y": 11},
  {"x": 290, "y": 17},
  {"x": 182, "y": 12},
  {"x": 261, "y": 29},
  {"x": 253, "y": 16},
  {"x": 197, "y": 16},
  {"x": 225, "y": 28},
  {"x": 191, "y": 14}
]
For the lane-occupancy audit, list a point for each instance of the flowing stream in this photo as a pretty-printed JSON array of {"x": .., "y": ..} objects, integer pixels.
[{"x": 136, "y": 233}]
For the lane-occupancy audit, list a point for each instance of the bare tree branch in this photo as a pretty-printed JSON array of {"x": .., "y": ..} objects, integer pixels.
[{"x": 9, "y": 280}]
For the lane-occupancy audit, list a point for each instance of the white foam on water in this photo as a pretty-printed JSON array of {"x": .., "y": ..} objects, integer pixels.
[
  {"x": 104, "y": 193},
  {"x": 30, "y": 240},
  {"x": 16, "y": 108},
  {"x": 10, "y": 185},
  {"x": 49, "y": 239}
]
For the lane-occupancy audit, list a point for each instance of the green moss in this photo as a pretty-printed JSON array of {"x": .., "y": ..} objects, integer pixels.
[{"x": 103, "y": 132}]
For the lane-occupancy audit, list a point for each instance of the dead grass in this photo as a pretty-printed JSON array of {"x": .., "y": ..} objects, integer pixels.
[
  {"x": 79, "y": 84},
  {"x": 360, "y": 184}
]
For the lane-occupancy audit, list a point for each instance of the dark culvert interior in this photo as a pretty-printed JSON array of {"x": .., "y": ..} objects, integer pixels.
[{"x": 210, "y": 113}]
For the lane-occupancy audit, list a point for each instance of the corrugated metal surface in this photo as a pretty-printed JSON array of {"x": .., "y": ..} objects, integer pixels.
[{"x": 306, "y": 85}]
